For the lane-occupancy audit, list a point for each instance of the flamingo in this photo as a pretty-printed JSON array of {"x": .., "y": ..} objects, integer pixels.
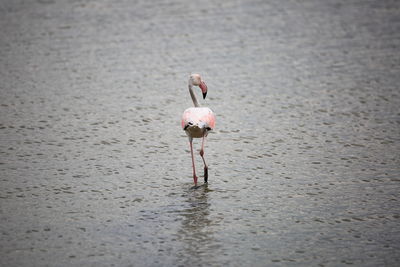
[{"x": 197, "y": 121}]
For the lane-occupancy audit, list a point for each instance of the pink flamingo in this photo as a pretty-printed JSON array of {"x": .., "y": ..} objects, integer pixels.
[{"x": 197, "y": 122}]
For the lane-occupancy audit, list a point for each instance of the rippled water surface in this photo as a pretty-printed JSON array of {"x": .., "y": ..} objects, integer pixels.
[{"x": 303, "y": 165}]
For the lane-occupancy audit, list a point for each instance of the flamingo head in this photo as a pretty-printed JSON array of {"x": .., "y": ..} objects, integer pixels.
[{"x": 195, "y": 79}]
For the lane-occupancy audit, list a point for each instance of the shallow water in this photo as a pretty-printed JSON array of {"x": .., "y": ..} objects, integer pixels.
[{"x": 304, "y": 162}]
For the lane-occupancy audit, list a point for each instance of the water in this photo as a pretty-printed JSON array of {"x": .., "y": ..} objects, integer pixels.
[{"x": 303, "y": 165}]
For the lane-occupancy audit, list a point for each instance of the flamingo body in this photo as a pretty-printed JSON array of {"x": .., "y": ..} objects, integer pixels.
[{"x": 198, "y": 121}]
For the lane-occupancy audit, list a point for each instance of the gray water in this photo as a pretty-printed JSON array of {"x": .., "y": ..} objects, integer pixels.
[{"x": 303, "y": 164}]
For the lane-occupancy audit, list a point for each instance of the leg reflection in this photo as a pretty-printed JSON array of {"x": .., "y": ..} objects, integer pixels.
[{"x": 195, "y": 232}]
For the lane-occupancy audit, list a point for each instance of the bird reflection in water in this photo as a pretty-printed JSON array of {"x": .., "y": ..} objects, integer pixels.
[{"x": 195, "y": 232}]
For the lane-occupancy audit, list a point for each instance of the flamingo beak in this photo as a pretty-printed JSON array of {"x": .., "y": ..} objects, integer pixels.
[{"x": 203, "y": 88}]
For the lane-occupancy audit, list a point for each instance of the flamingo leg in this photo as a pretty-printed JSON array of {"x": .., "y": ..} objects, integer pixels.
[
  {"x": 194, "y": 169},
  {"x": 202, "y": 156}
]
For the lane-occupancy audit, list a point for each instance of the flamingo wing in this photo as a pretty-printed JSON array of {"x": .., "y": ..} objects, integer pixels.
[{"x": 199, "y": 116}]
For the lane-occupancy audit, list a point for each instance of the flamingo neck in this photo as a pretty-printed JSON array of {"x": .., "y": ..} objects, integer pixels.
[{"x": 194, "y": 99}]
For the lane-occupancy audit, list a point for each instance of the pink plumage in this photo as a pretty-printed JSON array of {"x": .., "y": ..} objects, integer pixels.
[{"x": 201, "y": 116}]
